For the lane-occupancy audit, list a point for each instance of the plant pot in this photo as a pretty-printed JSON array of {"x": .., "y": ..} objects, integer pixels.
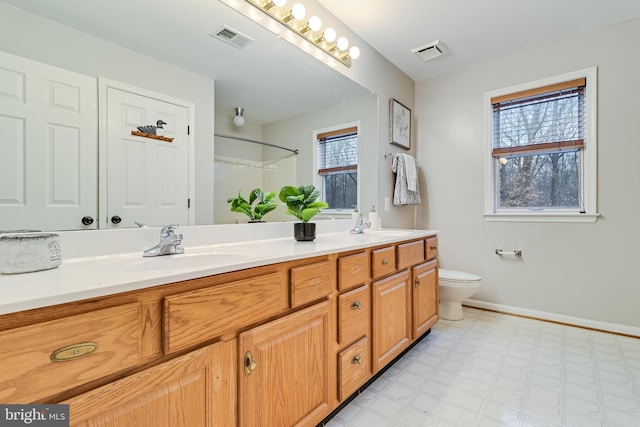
[{"x": 304, "y": 231}]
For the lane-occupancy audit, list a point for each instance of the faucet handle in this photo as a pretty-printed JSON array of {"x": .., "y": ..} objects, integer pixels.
[{"x": 168, "y": 230}]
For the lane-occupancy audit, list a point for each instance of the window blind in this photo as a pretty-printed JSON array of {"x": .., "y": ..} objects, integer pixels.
[
  {"x": 338, "y": 151},
  {"x": 550, "y": 118}
]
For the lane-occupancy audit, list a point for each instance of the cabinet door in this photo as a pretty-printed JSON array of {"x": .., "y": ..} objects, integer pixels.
[
  {"x": 196, "y": 389},
  {"x": 425, "y": 297},
  {"x": 287, "y": 376},
  {"x": 391, "y": 318}
]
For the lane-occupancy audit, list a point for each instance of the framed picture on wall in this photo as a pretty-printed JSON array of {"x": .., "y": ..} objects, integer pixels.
[{"x": 400, "y": 124}]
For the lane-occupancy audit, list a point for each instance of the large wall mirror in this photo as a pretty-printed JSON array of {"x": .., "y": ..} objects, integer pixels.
[{"x": 170, "y": 48}]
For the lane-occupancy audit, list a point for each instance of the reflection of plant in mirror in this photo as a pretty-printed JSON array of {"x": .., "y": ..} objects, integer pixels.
[
  {"x": 266, "y": 203},
  {"x": 301, "y": 201}
]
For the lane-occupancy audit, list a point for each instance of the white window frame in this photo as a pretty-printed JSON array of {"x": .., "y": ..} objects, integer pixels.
[
  {"x": 589, "y": 179},
  {"x": 317, "y": 179}
]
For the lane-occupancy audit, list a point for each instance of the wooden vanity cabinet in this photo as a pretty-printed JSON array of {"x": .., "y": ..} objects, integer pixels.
[
  {"x": 425, "y": 297},
  {"x": 391, "y": 329},
  {"x": 196, "y": 389},
  {"x": 286, "y": 371},
  {"x": 276, "y": 345}
]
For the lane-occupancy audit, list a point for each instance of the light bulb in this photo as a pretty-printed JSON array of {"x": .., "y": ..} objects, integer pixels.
[
  {"x": 314, "y": 23},
  {"x": 342, "y": 44},
  {"x": 329, "y": 35},
  {"x": 238, "y": 120},
  {"x": 298, "y": 11},
  {"x": 269, "y": 4},
  {"x": 354, "y": 52}
]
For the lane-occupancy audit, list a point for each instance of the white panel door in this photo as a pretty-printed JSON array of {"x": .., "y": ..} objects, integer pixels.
[
  {"x": 147, "y": 179},
  {"x": 48, "y": 146}
]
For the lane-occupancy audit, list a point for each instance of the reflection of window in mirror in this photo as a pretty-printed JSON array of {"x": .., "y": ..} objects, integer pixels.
[{"x": 337, "y": 166}]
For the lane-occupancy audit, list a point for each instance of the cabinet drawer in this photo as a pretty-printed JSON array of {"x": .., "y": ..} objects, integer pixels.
[
  {"x": 353, "y": 270},
  {"x": 410, "y": 254},
  {"x": 89, "y": 346},
  {"x": 383, "y": 261},
  {"x": 431, "y": 248},
  {"x": 195, "y": 316},
  {"x": 354, "y": 309},
  {"x": 354, "y": 368},
  {"x": 312, "y": 282}
]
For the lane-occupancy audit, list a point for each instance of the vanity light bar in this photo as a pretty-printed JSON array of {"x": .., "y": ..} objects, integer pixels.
[{"x": 311, "y": 29}]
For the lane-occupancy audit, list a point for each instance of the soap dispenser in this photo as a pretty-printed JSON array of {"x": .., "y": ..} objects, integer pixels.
[{"x": 373, "y": 218}]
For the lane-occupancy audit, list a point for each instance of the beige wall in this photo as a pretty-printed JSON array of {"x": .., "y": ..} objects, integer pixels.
[{"x": 584, "y": 270}]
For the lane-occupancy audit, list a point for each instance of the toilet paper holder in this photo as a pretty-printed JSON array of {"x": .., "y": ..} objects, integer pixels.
[{"x": 515, "y": 253}]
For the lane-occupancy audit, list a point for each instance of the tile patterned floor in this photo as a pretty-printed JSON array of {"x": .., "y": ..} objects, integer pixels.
[{"x": 492, "y": 370}]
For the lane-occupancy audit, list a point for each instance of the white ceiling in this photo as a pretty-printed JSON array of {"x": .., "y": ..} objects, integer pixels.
[{"x": 472, "y": 30}]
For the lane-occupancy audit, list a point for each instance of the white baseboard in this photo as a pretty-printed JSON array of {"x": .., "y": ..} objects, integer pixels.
[{"x": 557, "y": 318}]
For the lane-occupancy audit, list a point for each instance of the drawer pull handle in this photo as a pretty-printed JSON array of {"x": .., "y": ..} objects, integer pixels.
[
  {"x": 249, "y": 363},
  {"x": 385, "y": 261},
  {"x": 356, "y": 305},
  {"x": 434, "y": 247},
  {"x": 417, "y": 282},
  {"x": 74, "y": 351},
  {"x": 357, "y": 360}
]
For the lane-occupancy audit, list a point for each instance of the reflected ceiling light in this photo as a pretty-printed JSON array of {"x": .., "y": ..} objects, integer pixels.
[
  {"x": 309, "y": 31},
  {"x": 238, "y": 120}
]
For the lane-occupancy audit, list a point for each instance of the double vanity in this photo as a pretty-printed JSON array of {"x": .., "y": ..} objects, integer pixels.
[{"x": 246, "y": 331}]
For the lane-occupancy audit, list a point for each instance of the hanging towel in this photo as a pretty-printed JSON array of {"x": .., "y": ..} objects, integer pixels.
[{"x": 406, "y": 191}]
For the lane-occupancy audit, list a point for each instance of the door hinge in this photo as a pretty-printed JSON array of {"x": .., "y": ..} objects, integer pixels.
[
  {"x": 188, "y": 130},
  {"x": 188, "y": 203}
]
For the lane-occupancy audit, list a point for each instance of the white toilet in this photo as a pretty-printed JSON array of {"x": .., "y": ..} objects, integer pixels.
[{"x": 455, "y": 286}]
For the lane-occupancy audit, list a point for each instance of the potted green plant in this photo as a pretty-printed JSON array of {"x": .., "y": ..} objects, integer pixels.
[
  {"x": 302, "y": 203},
  {"x": 266, "y": 202}
]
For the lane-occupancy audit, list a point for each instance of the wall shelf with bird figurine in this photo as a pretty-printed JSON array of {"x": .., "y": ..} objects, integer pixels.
[
  {"x": 153, "y": 132},
  {"x": 148, "y": 135}
]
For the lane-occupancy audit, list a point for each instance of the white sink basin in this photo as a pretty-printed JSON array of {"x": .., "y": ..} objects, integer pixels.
[
  {"x": 194, "y": 258},
  {"x": 388, "y": 233},
  {"x": 182, "y": 261}
]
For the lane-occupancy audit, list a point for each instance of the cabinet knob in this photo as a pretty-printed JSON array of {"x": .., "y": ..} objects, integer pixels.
[
  {"x": 87, "y": 220},
  {"x": 249, "y": 363},
  {"x": 417, "y": 282},
  {"x": 434, "y": 247},
  {"x": 356, "y": 305},
  {"x": 116, "y": 219},
  {"x": 385, "y": 261},
  {"x": 357, "y": 360}
]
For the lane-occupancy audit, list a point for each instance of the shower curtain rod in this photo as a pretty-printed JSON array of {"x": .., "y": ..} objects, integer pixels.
[{"x": 255, "y": 142}]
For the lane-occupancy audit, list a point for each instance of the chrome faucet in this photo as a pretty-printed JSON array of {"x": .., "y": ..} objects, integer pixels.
[
  {"x": 169, "y": 242},
  {"x": 361, "y": 223}
]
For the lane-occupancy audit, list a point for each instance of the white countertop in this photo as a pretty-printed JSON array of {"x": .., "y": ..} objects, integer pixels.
[{"x": 107, "y": 271}]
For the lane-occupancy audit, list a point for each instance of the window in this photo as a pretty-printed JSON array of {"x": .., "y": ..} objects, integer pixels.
[
  {"x": 542, "y": 150},
  {"x": 337, "y": 162}
]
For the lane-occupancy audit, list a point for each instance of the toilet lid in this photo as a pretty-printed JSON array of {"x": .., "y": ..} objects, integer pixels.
[{"x": 458, "y": 276}]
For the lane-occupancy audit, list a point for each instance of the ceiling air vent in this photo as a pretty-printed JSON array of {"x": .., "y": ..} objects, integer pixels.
[
  {"x": 430, "y": 51},
  {"x": 232, "y": 37}
]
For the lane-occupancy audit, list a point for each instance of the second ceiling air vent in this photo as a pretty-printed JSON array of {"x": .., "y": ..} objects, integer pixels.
[
  {"x": 232, "y": 37},
  {"x": 430, "y": 51}
]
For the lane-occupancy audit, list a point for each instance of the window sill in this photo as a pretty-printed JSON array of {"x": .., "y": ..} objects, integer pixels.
[{"x": 540, "y": 217}]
